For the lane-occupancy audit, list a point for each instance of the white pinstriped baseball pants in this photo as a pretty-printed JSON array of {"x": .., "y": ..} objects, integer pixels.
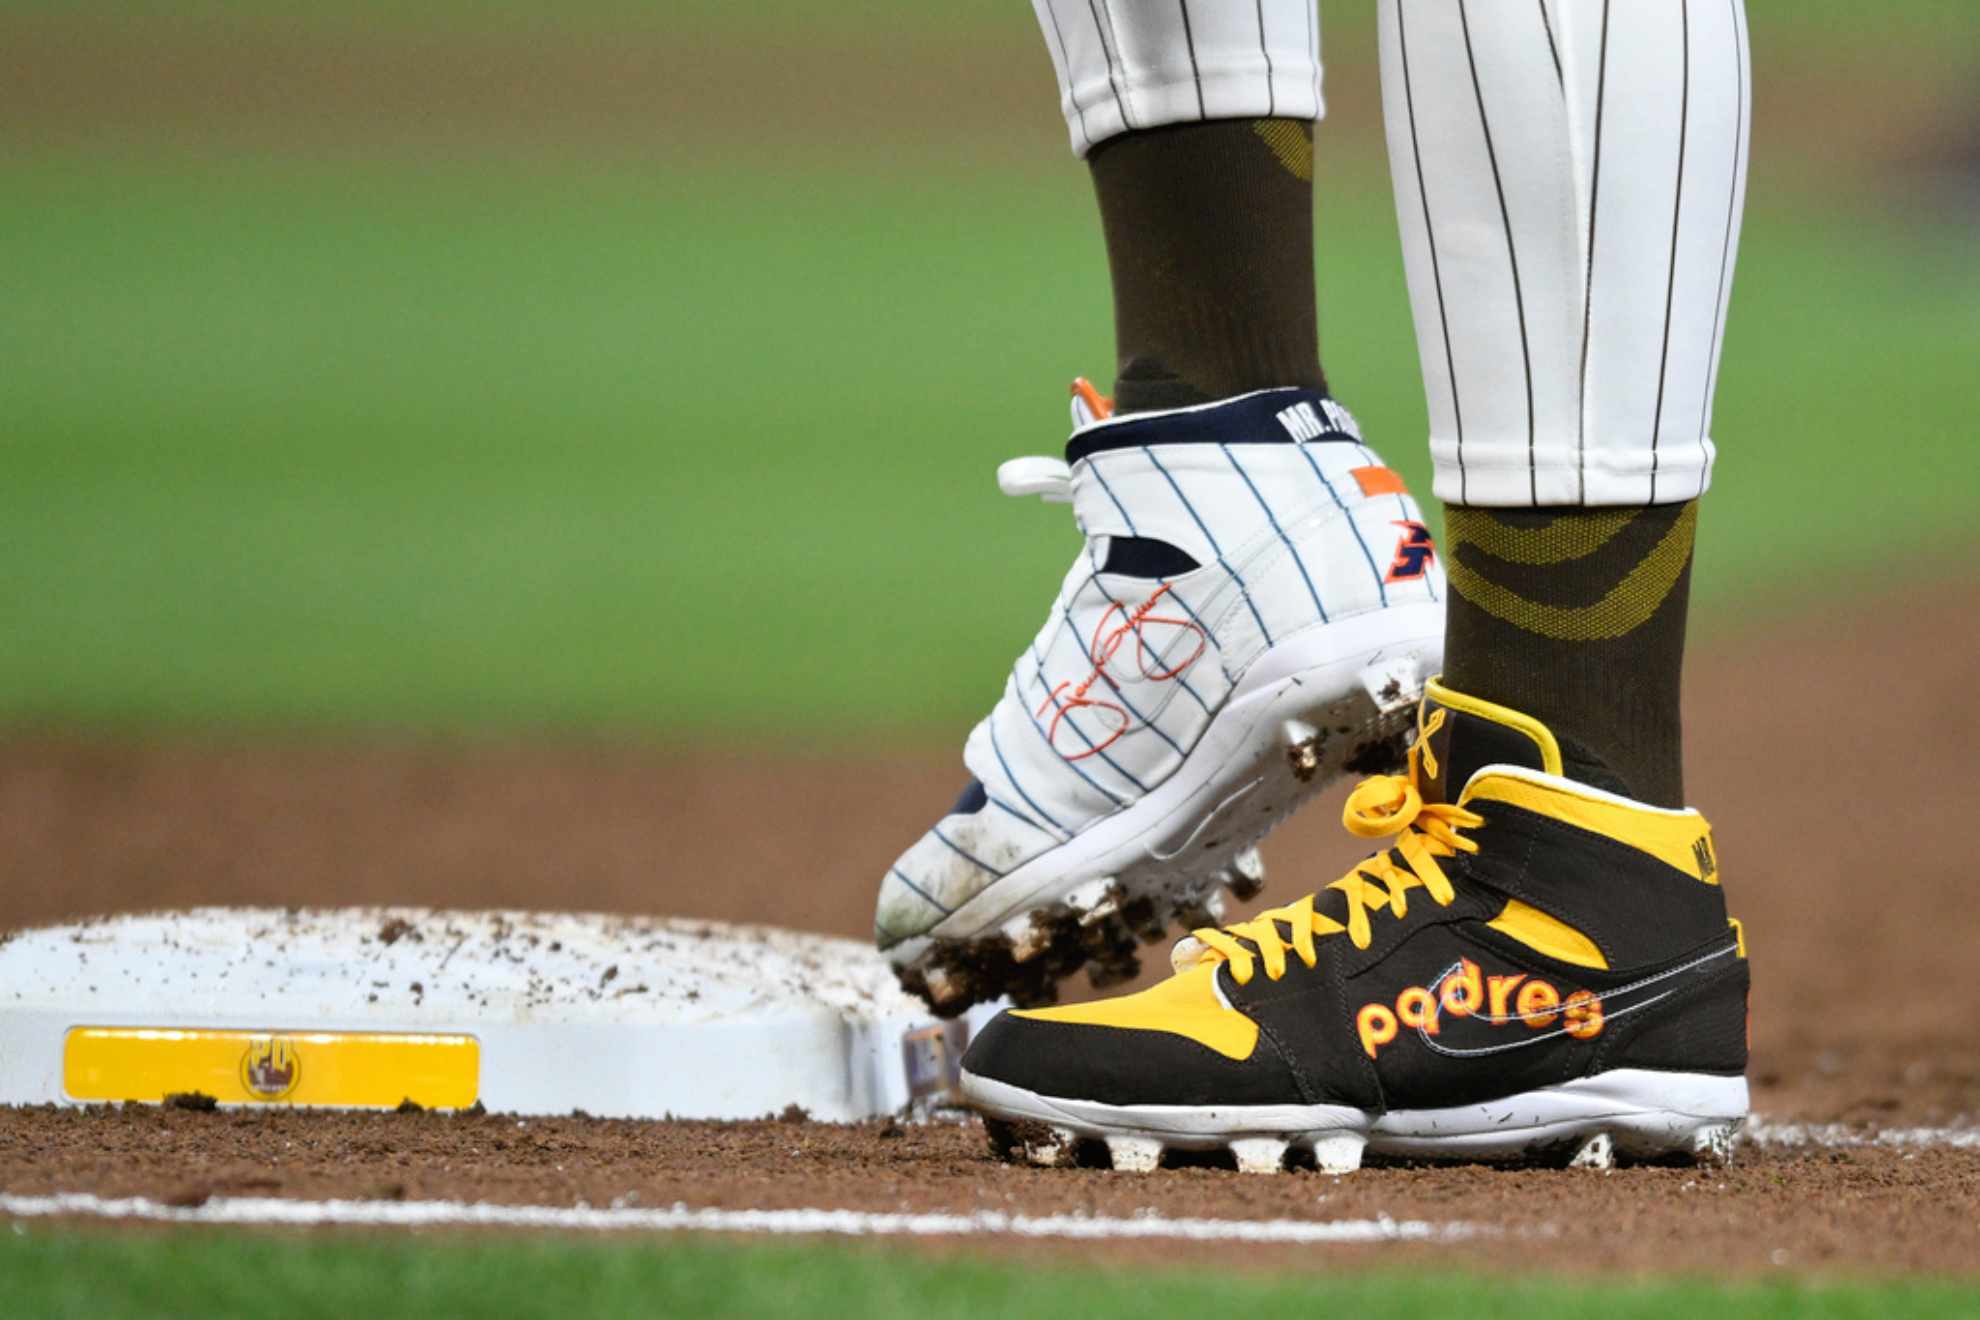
[{"x": 1569, "y": 178}]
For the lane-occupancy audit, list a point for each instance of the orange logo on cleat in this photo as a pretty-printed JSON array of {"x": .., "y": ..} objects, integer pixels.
[
  {"x": 1415, "y": 552},
  {"x": 1466, "y": 992}
]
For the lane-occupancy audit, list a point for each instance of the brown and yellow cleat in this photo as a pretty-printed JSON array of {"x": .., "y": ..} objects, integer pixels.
[{"x": 1537, "y": 968}]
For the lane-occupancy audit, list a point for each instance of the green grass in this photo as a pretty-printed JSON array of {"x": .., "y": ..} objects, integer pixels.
[
  {"x": 712, "y": 454},
  {"x": 213, "y": 1275}
]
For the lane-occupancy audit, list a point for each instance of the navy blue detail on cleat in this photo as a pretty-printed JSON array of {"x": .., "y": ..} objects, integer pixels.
[
  {"x": 972, "y": 800},
  {"x": 1142, "y": 557},
  {"x": 1265, "y": 418}
]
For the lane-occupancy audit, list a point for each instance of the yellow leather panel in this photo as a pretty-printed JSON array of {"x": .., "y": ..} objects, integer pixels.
[
  {"x": 1682, "y": 841},
  {"x": 1184, "y": 1005}
]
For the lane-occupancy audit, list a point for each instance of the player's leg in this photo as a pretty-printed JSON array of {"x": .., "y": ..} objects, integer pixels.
[
  {"x": 1196, "y": 121},
  {"x": 1568, "y": 180},
  {"x": 1543, "y": 961},
  {"x": 1257, "y": 601}
]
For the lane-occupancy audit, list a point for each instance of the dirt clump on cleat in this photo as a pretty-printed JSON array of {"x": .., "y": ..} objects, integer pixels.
[
  {"x": 1383, "y": 754},
  {"x": 1028, "y": 1141},
  {"x": 1027, "y": 957}
]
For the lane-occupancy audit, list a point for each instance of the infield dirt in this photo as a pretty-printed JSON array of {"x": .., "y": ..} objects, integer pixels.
[{"x": 1827, "y": 749}]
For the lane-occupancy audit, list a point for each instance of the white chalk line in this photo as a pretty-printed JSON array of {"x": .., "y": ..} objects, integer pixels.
[
  {"x": 279, "y": 1211},
  {"x": 680, "y": 1217},
  {"x": 1766, "y": 1132}
]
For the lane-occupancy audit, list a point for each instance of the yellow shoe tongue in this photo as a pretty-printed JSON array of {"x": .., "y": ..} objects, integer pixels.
[{"x": 1463, "y": 733}]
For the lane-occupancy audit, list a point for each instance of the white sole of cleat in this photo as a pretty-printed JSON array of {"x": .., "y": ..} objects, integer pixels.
[
  {"x": 1623, "y": 1114},
  {"x": 1332, "y": 699}
]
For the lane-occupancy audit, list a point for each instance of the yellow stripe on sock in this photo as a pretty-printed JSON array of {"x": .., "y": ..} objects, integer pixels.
[
  {"x": 1626, "y": 607},
  {"x": 1538, "y": 546},
  {"x": 1290, "y": 144}
]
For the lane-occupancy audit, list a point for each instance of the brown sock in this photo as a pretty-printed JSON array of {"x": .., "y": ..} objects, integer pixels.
[
  {"x": 1576, "y": 617},
  {"x": 1210, "y": 240}
]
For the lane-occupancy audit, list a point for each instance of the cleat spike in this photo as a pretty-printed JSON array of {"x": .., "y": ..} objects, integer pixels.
[
  {"x": 1246, "y": 878},
  {"x": 1393, "y": 684},
  {"x": 1303, "y": 743},
  {"x": 1338, "y": 1152},
  {"x": 1716, "y": 1143},
  {"x": 1259, "y": 1154},
  {"x": 1597, "y": 1152},
  {"x": 1134, "y": 1154},
  {"x": 1049, "y": 1146},
  {"x": 946, "y": 986},
  {"x": 1029, "y": 937},
  {"x": 1095, "y": 900}
]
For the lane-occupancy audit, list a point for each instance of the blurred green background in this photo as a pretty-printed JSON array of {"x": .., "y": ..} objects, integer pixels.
[{"x": 644, "y": 367}]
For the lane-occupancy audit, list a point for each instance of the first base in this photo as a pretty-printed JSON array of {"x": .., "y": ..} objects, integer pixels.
[{"x": 526, "y": 1013}]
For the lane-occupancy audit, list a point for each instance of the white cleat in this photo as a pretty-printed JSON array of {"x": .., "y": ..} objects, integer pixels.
[{"x": 1255, "y": 605}]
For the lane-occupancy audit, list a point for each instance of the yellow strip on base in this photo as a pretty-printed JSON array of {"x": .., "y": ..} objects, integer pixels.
[{"x": 371, "y": 1070}]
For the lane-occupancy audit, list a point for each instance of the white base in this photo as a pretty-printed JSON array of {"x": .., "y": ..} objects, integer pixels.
[{"x": 618, "y": 1016}]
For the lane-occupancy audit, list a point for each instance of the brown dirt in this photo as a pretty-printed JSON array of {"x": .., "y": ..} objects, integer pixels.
[
  {"x": 1801, "y": 1210},
  {"x": 1833, "y": 751}
]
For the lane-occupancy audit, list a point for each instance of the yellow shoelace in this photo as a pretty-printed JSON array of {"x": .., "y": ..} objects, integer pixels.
[{"x": 1379, "y": 806}]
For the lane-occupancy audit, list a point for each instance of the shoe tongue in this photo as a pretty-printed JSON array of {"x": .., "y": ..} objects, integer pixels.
[{"x": 1466, "y": 733}]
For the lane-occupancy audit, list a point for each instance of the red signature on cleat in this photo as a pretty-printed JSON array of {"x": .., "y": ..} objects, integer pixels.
[{"x": 1106, "y": 644}]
